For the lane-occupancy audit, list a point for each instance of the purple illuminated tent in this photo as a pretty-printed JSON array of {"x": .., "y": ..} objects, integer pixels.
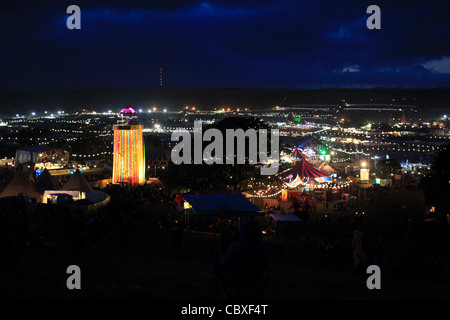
[{"x": 128, "y": 111}]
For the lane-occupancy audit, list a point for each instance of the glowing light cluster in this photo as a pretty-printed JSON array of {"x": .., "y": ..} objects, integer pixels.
[
  {"x": 128, "y": 110},
  {"x": 128, "y": 161},
  {"x": 261, "y": 195}
]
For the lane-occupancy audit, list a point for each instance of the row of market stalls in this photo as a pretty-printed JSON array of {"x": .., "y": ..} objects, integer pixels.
[{"x": 47, "y": 190}]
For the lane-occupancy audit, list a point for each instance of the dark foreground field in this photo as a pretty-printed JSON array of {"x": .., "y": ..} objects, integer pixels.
[{"x": 146, "y": 265}]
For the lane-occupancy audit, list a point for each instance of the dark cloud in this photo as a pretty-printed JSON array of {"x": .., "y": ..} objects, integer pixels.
[{"x": 286, "y": 43}]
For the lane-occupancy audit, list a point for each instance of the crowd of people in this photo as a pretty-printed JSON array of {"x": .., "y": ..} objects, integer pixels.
[
  {"x": 24, "y": 225},
  {"x": 130, "y": 209}
]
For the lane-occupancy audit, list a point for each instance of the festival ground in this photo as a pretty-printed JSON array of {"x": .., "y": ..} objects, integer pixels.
[{"x": 146, "y": 265}]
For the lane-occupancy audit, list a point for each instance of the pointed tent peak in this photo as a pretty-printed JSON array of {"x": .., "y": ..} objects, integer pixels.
[
  {"x": 21, "y": 185},
  {"x": 297, "y": 154},
  {"x": 45, "y": 181},
  {"x": 27, "y": 168},
  {"x": 157, "y": 154},
  {"x": 161, "y": 155},
  {"x": 77, "y": 182},
  {"x": 21, "y": 176},
  {"x": 326, "y": 168},
  {"x": 24, "y": 173}
]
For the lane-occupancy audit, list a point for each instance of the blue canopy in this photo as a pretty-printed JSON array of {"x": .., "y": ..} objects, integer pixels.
[{"x": 222, "y": 204}]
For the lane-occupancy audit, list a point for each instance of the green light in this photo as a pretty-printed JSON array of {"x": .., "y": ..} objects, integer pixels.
[{"x": 298, "y": 119}]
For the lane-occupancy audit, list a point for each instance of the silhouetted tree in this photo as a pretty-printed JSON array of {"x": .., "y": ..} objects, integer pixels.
[
  {"x": 436, "y": 184},
  {"x": 220, "y": 177}
]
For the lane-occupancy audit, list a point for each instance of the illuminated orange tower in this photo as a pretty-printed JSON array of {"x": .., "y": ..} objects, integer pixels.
[{"x": 128, "y": 160}]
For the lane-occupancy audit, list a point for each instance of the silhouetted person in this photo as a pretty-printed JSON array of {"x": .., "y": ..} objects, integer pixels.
[
  {"x": 380, "y": 253},
  {"x": 358, "y": 249},
  {"x": 177, "y": 234},
  {"x": 242, "y": 268}
]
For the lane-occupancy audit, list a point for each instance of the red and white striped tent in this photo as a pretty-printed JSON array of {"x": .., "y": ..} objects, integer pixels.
[
  {"x": 297, "y": 154},
  {"x": 303, "y": 170}
]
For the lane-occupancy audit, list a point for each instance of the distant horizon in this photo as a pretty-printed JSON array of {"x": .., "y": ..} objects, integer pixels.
[
  {"x": 109, "y": 98},
  {"x": 102, "y": 99}
]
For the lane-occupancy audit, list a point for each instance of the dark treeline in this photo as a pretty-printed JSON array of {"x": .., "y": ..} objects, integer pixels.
[{"x": 115, "y": 98}]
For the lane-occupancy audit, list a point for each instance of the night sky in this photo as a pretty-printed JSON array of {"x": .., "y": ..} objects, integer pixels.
[{"x": 279, "y": 44}]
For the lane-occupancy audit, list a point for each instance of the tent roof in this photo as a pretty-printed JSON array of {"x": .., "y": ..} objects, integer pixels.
[
  {"x": 285, "y": 217},
  {"x": 304, "y": 169},
  {"x": 222, "y": 204},
  {"x": 158, "y": 155},
  {"x": 326, "y": 167},
  {"x": 77, "y": 182},
  {"x": 296, "y": 153},
  {"x": 20, "y": 184},
  {"x": 45, "y": 181}
]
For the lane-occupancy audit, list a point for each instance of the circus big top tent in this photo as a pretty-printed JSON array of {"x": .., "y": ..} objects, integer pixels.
[
  {"x": 303, "y": 170},
  {"x": 303, "y": 174}
]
